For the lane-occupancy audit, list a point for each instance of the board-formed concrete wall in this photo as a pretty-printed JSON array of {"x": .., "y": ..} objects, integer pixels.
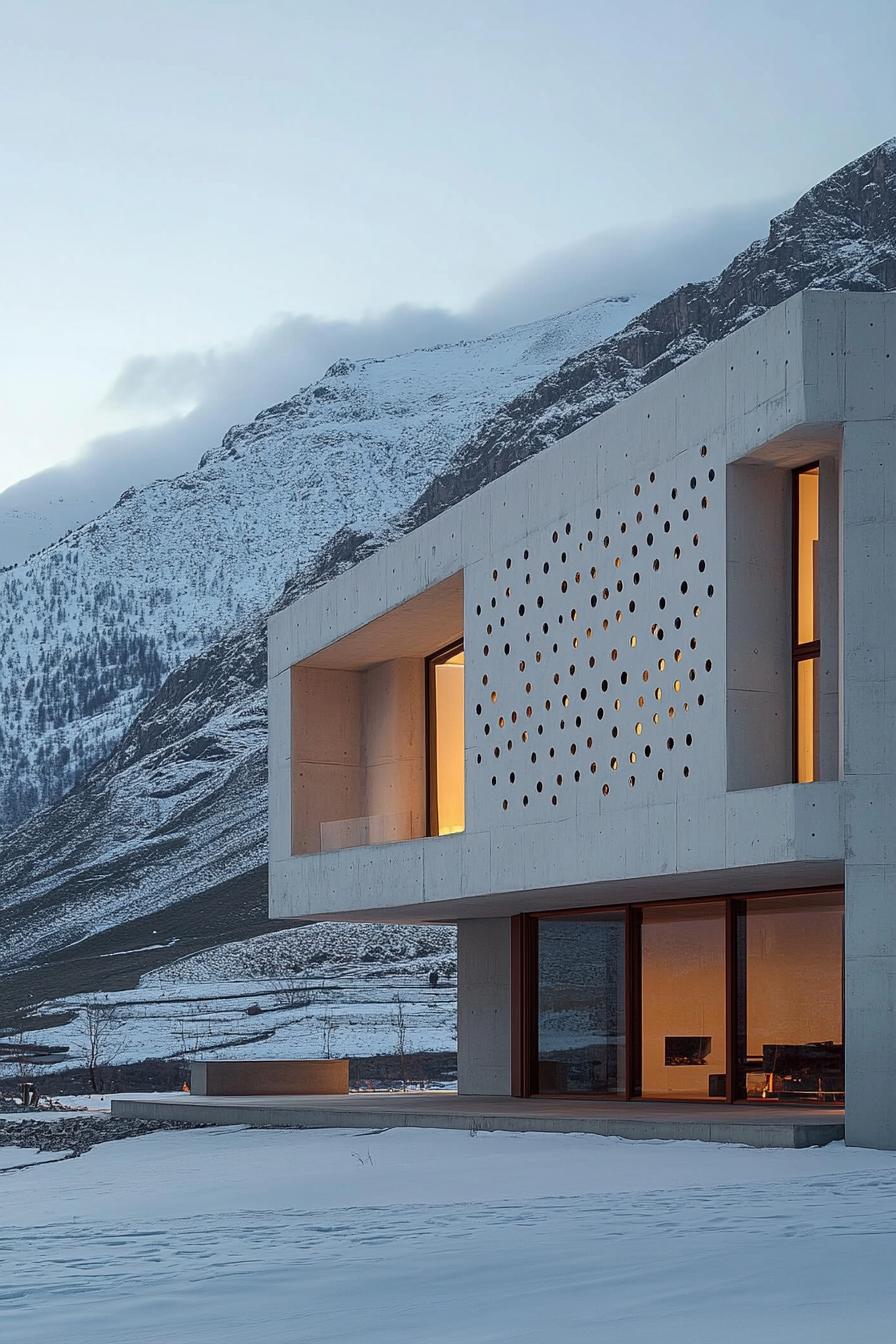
[
  {"x": 869, "y": 787},
  {"x": 758, "y": 626},
  {"x": 600, "y": 663},
  {"x": 607, "y": 582}
]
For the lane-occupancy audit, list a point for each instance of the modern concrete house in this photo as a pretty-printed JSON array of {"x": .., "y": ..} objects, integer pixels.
[{"x": 627, "y": 717}]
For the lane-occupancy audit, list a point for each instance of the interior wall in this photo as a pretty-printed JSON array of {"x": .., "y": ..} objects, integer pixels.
[
  {"x": 683, "y": 996},
  {"x": 358, "y": 755},
  {"x": 327, "y": 767},
  {"x": 393, "y": 749},
  {"x": 794, "y": 973}
]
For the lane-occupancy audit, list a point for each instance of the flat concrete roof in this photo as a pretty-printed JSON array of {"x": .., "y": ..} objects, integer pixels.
[{"x": 759, "y": 1125}]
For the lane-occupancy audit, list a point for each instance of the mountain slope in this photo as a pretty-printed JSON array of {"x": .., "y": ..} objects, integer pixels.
[
  {"x": 180, "y": 804},
  {"x": 32, "y": 515},
  {"x": 97, "y": 620},
  {"x": 839, "y": 235}
]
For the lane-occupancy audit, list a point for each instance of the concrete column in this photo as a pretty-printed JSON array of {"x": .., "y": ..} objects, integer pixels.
[
  {"x": 869, "y": 721},
  {"x": 483, "y": 1007},
  {"x": 830, "y": 763}
]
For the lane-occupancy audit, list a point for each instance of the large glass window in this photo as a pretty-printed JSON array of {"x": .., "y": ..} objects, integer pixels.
[
  {"x": 683, "y": 1001},
  {"x": 790, "y": 998},
  {"x": 739, "y": 998},
  {"x": 445, "y": 671},
  {"x": 806, "y": 639},
  {"x": 580, "y": 1017}
]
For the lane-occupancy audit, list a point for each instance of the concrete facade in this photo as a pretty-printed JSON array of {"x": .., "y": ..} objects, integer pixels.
[{"x": 624, "y": 600}]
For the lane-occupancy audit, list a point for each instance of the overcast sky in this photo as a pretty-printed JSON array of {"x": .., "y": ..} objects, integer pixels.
[{"x": 207, "y": 201}]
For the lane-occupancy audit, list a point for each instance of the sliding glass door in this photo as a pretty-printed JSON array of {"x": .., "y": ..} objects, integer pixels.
[{"x": 739, "y": 998}]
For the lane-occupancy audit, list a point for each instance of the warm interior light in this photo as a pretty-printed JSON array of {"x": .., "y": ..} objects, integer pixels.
[
  {"x": 806, "y": 648},
  {"x": 683, "y": 1000},
  {"x": 790, "y": 974},
  {"x": 807, "y": 555},
  {"x": 448, "y": 744},
  {"x": 805, "y": 720}
]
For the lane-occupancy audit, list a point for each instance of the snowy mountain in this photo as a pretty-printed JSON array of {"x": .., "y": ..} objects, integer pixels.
[
  {"x": 32, "y": 515},
  {"x": 165, "y": 839},
  {"x": 97, "y": 620}
]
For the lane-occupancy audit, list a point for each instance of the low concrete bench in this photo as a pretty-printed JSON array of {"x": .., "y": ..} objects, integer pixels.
[{"x": 269, "y": 1077}]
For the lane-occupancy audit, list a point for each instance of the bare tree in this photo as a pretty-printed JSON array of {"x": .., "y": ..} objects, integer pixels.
[
  {"x": 328, "y": 1026},
  {"x": 101, "y": 1044},
  {"x": 291, "y": 994},
  {"x": 186, "y": 1030},
  {"x": 401, "y": 1039}
]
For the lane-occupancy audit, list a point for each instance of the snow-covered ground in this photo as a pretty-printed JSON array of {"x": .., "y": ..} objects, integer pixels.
[
  {"x": 13, "y": 1158},
  {"x": 326, "y": 990},
  {"x": 407, "y": 1236}
]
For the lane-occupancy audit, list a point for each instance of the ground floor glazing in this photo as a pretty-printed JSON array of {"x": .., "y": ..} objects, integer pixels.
[{"x": 728, "y": 999}]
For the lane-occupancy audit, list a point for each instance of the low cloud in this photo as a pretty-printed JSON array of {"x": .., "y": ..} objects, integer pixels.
[
  {"x": 198, "y": 395},
  {"x": 649, "y": 261},
  {"x": 276, "y": 362}
]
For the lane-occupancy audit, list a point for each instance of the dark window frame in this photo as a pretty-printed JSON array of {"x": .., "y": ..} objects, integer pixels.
[{"x": 524, "y": 994}]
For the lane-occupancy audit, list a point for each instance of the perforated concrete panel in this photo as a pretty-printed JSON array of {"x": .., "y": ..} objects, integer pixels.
[
  {"x": 594, "y": 649},
  {"x": 598, "y": 637}
]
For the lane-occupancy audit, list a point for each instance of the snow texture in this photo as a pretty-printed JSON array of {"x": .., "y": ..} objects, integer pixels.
[
  {"x": 221, "y": 1236},
  {"x": 326, "y": 990}
]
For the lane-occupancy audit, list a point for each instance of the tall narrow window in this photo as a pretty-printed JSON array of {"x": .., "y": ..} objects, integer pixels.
[
  {"x": 806, "y": 645},
  {"x": 445, "y": 688}
]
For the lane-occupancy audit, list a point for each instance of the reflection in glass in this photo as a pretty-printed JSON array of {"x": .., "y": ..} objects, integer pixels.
[
  {"x": 683, "y": 1049},
  {"x": 447, "y": 746},
  {"x": 790, "y": 998},
  {"x": 581, "y": 1004}
]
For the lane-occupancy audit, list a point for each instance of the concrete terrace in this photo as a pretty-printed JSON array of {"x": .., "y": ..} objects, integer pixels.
[{"x": 756, "y": 1125}]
